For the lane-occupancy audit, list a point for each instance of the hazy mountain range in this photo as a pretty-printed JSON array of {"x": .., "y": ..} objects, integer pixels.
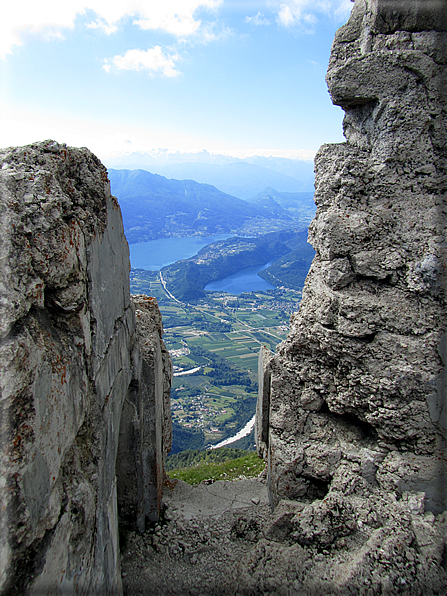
[
  {"x": 242, "y": 178},
  {"x": 156, "y": 207}
]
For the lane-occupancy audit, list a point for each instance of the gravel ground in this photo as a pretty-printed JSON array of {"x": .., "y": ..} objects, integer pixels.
[
  {"x": 222, "y": 539},
  {"x": 195, "y": 552}
]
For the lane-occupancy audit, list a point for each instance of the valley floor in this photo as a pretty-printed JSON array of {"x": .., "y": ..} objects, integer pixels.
[{"x": 214, "y": 344}]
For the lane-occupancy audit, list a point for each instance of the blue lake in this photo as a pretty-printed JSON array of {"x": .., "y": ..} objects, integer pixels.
[
  {"x": 155, "y": 254},
  {"x": 244, "y": 280}
]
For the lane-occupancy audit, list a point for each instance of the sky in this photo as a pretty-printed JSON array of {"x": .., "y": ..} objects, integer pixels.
[{"x": 240, "y": 77}]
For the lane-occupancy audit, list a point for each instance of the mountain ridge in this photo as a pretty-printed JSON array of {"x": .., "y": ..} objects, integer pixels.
[
  {"x": 240, "y": 177},
  {"x": 156, "y": 207}
]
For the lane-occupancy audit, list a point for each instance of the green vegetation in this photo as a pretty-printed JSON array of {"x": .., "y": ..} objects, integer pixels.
[
  {"x": 186, "y": 279},
  {"x": 192, "y": 457},
  {"x": 186, "y": 438},
  {"x": 290, "y": 270},
  {"x": 222, "y": 371},
  {"x": 300, "y": 205},
  {"x": 214, "y": 344},
  {"x": 208, "y": 469},
  {"x": 148, "y": 282}
]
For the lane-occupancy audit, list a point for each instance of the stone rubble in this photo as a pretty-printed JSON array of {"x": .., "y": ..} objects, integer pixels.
[
  {"x": 197, "y": 548},
  {"x": 222, "y": 543}
]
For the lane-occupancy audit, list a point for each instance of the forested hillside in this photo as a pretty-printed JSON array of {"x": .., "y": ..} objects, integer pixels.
[{"x": 187, "y": 279}]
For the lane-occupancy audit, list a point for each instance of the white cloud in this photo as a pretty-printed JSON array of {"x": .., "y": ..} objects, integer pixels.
[
  {"x": 174, "y": 16},
  {"x": 287, "y": 17},
  {"x": 258, "y": 19},
  {"x": 154, "y": 60},
  {"x": 211, "y": 32},
  {"x": 20, "y": 18},
  {"x": 102, "y": 24},
  {"x": 291, "y": 13}
]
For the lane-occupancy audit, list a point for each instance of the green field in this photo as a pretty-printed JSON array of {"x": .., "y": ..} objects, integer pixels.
[
  {"x": 247, "y": 466},
  {"x": 229, "y": 328}
]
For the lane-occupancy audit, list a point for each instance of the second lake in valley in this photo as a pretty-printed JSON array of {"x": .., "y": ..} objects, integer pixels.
[{"x": 155, "y": 254}]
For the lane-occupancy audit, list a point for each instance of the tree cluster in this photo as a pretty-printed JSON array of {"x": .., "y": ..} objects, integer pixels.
[{"x": 222, "y": 372}]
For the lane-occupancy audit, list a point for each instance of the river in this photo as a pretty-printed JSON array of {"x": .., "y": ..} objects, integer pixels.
[{"x": 242, "y": 433}]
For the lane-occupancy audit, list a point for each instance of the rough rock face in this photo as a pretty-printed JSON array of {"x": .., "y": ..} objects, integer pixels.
[
  {"x": 352, "y": 412},
  {"x": 146, "y": 424},
  {"x": 70, "y": 357}
]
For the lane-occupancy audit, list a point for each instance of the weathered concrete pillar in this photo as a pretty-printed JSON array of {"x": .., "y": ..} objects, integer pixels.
[
  {"x": 146, "y": 426},
  {"x": 263, "y": 403}
]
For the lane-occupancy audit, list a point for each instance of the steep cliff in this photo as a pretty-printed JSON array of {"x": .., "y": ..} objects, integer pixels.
[
  {"x": 70, "y": 357},
  {"x": 146, "y": 424},
  {"x": 352, "y": 412}
]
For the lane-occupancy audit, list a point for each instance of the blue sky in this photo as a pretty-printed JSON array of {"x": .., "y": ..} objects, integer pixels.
[{"x": 235, "y": 76}]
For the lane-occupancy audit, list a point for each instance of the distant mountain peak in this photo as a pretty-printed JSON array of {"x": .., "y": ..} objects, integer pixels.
[
  {"x": 154, "y": 206},
  {"x": 242, "y": 178}
]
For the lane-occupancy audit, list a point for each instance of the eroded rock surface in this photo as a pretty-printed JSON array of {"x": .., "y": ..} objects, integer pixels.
[
  {"x": 352, "y": 411},
  {"x": 146, "y": 424},
  {"x": 70, "y": 356}
]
